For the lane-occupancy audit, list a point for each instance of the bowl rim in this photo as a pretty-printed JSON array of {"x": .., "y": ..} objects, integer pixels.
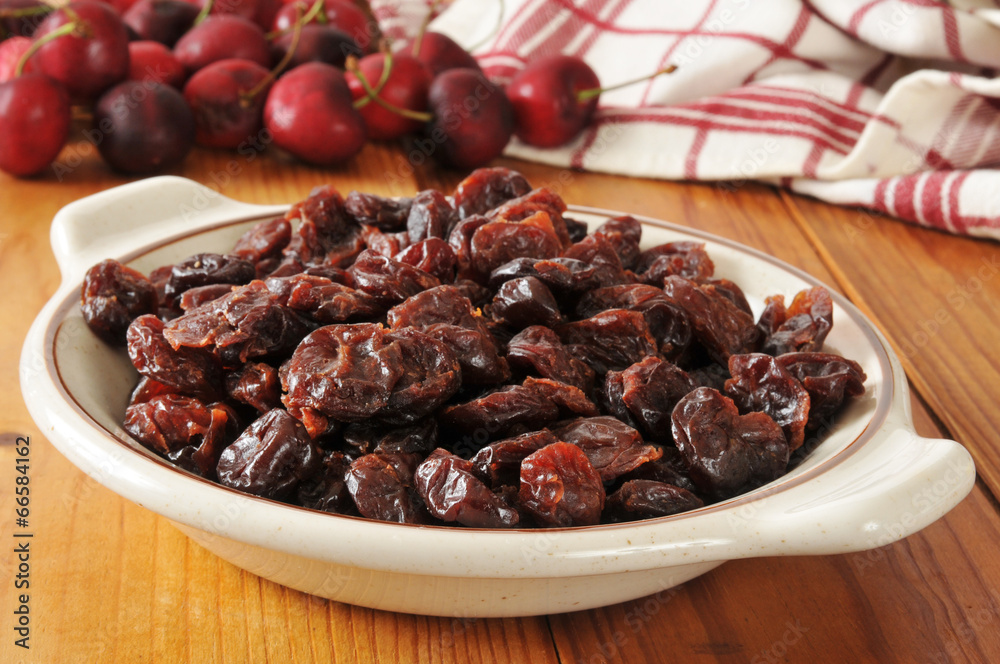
[{"x": 878, "y": 419}]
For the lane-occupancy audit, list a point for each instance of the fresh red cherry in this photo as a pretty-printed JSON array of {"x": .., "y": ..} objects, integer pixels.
[
  {"x": 227, "y": 99},
  {"x": 34, "y": 123},
  {"x": 473, "y": 119},
  {"x": 88, "y": 48},
  {"x": 222, "y": 37},
  {"x": 163, "y": 21},
  {"x": 310, "y": 113},
  {"x": 266, "y": 11},
  {"x": 439, "y": 53},
  {"x": 12, "y": 50},
  {"x": 405, "y": 88},
  {"x": 143, "y": 127},
  {"x": 344, "y": 16},
  {"x": 317, "y": 43},
  {"x": 545, "y": 95},
  {"x": 152, "y": 61}
]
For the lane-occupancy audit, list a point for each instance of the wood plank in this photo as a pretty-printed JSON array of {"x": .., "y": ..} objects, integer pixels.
[{"x": 937, "y": 298}]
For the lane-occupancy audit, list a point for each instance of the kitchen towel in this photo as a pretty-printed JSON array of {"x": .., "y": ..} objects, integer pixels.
[{"x": 891, "y": 105}]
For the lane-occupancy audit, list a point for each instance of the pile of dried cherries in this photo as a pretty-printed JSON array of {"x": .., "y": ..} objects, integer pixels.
[{"x": 476, "y": 360}]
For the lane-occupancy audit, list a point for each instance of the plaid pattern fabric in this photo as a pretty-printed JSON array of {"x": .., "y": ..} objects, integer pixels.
[{"x": 892, "y": 105}]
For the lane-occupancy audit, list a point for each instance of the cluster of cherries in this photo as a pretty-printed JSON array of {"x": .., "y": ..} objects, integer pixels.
[{"x": 161, "y": 75}]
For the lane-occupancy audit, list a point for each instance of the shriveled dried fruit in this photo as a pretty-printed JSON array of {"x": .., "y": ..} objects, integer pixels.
[
  {"x": 537, "y": 349},
  {"x": 650, "y": 389},
  {"x": 453, "y": 493},
  {"x": 721, "y": 326},
  {"x": 727, "y": 453},
  {"x": 648, "y": 499},
  {"x": 560, "y": 488},
  {"x": 354, "y": 372},
  {"x": 683, "y": 259},
  {"x": 808, "y": 321},
  {"x": 382, "y": 486},
  {"x": 205, "y": 269},
  {"x": 431, "y": 215},
  {"x": 611, "y": 340},
  {"x": 613, "y": 447},
  {"x": 184, "y": 430},
  {"x": 486, "y": 188},
  {"x": 387, "y": 214},
  {"x": 264, "y": 240},
  {"x": 271, "y": 458},
  {"x": 499, "y": 463},
  {"x": 255, "y": 384},
  {"x": 523, "y": 302},
  {"x": 247, "y": 323},
  {"x": 760, "y": 383},
  {"x": 388, "y": 280},
  {"x": 192, "y": 371},
  {"x": 327, "y": 489},
  {"x": 114, "y": 295},
  {"x": 829, "y": 379}
]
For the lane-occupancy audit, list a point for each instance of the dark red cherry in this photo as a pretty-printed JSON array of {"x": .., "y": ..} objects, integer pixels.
[
  {"x": 405, "y": 88},
  {"x": 227, "y": 99},
  {"x": 473, "y": 120},
  {"x": 439, "y": 53},
  {"x": 222, "y": 37},
  {"x": 344, "y": 16},
  {"x": 152, "y": 61},
  {"x": 318, "y": 43},
  {"x": 34, "y": 123},
  {"x": 162, "y": 21},
  {"x": 90, "y": 58},
  {"x": 310, "y": 113},
  {"x": 143, "y": 127},
  {"x": 546, "y": 100}
]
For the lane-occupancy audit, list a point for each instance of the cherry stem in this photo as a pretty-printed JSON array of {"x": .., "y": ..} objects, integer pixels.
[
  {"x": 351, "y": 65},
  {"x": 584, "y": 95},
  {"x": 64, "y": 29},
  {"x": 205, "y": 11},
  {"x": 372, "y": 94},
  {"x": 423, "y": 27},
  {"x": 301, "y": 19},
  {"x": 313, "y": 12},
  {"x": 26, "y": 11}
]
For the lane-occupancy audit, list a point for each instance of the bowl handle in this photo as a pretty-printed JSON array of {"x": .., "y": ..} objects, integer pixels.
[
  {"x": 881, "y": 494},
  {"x": 112, "y": 222}
]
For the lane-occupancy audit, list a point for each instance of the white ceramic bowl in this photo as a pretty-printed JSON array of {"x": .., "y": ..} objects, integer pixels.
[{"x": 870, "y": 482}]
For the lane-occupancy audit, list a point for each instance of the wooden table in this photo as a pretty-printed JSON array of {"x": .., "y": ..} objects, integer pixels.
[{"x": 112, "y": 582}]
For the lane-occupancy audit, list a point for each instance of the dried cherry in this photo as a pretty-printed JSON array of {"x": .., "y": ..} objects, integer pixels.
[
  {"x": 760, "y": 383},
  {"x": 114, "y": 295},
  {"x": 452, "y": 492},
  {"x": 271, "y": 458},
  {"x": 560, "y": 488},
  {"x": 727, "y": 453}
]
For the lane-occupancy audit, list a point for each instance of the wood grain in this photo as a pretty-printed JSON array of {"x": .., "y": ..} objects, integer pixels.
[{"x": 112, "y": 582}]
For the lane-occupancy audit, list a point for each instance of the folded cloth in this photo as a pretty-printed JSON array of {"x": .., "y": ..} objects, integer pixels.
[{"x": 892, "y": 105}]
